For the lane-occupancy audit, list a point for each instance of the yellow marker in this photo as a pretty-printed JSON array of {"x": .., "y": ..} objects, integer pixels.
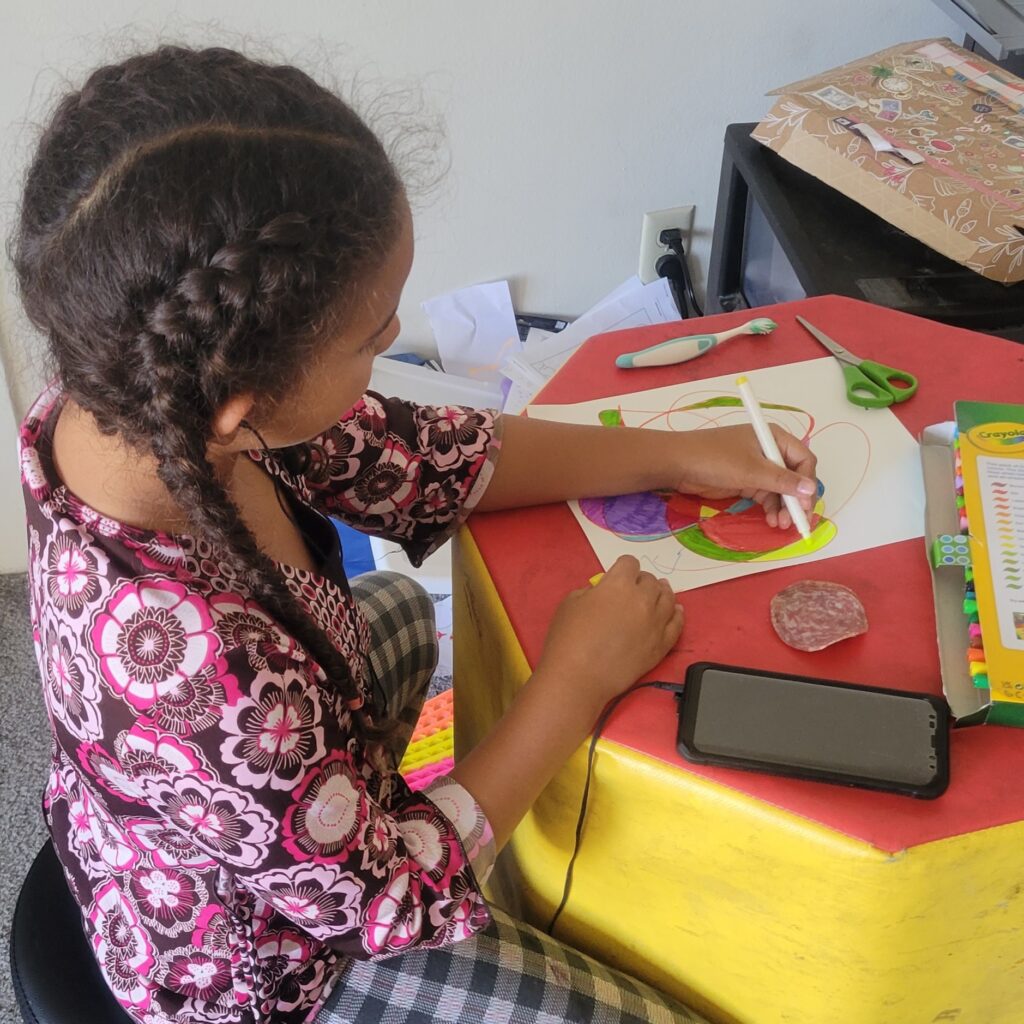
[{"x": 594, "y": 580}]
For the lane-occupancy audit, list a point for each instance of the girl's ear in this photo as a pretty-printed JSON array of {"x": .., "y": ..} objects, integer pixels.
[{"x": 228, "y": 418}]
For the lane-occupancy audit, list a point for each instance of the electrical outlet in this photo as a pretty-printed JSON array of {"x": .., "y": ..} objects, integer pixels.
[{"x": 651, "y": 249}]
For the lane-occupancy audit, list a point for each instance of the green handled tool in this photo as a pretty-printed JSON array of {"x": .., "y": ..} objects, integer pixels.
[{"x": 869, "y": 384}]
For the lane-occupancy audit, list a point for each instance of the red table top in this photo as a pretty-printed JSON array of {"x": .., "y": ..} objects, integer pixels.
[{"x": 536, "y": 556}]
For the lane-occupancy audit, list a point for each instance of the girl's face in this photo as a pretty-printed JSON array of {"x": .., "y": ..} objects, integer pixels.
[{"x": 341, "y": 373}]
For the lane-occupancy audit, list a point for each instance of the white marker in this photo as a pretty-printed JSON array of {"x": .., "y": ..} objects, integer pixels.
[{"x": 766, "y": 439}]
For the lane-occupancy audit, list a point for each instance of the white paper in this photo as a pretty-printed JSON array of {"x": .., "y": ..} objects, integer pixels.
[
  {"x": 443, "y": 617},
  {"x": 630, "y": 305},
  {"x": 475, "y": 329},
  {"x": 867, "y": 460}
]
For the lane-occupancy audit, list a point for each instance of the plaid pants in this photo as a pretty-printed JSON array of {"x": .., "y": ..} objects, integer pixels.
[{"x": 510, "y": 973}]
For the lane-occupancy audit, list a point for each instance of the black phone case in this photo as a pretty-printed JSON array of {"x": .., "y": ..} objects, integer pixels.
[{"x": 687, "y": 708}]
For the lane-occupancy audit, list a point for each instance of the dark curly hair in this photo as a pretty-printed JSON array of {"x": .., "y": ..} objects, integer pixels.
[{"x": 192, "y": 222}]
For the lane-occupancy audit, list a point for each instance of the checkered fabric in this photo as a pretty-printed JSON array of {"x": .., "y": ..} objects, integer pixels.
[
  {"x": 510, "y": 973},
  {"x": 403, "y": 654}
]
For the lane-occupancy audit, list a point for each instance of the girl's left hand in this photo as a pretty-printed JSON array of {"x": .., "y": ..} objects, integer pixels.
[{"x": 726, "y": 462}]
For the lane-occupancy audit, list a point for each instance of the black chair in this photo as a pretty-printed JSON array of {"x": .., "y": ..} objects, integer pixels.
[{"x": 56, "y": 978}]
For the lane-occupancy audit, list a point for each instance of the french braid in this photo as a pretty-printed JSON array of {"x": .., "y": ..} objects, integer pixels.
[{"x": 192, "y": 224}]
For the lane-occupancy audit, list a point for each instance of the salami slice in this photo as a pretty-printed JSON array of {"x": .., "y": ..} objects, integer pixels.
[{"x": 814, "y": 614}]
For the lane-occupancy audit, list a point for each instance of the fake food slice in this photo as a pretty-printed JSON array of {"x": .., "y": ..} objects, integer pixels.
[{"x": 814, "y": 614}]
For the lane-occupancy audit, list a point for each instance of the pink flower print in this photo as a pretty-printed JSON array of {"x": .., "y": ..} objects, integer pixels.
[
  {"x": 242, "y": 624},
  {"x": 387, "y": 485},
  {"x": 211, "y": 930},
  {"x": 369, "y": 419},
  {"x": 166, "y": 847},
  {"x": 122, "y": 947},
  {"x": 379, "y": 844},
  {"x": 321, "y": 898},
  {"x": 325, "y": 821},
  {"x": 70, "y": 688},
  {"x": 158, "y": 551},
  {"x": 94, "y": 520},
  {"x": 168, "y": 899},
  {"x": 139, "y": 752},
  {"x": 32, "y": 472},
  {"x": 431, "y": 841},
  {"x": 301, "y": 986},
  {"x": 145, "y": 750},
  {"x": 394, "y": 918},
  {"x": 200, "y": 1011},
  {"x": 453, "y": 435},
  {"x": 113, "y": 844},
  {"x": 438, "y": 502},
  {"x": 80, "y": 839},
  {"x": 105, "y": 769},
  {"x": 274, "y": 735},
  {"x": 334, "y": 457},
  {"x": 227, "y": 823},
  {"x": 98, "y": 842},
  {"x": 35, "y": 569},
  {"x": 285, "y": 946},
  {"x": 459, "y": 918},
  {"x": 191, "y": 705},
  {"x": 196, "y": 973},
  {"x": 281, "y": 953},
  {"x": 74, "y": 574},
  {"x": 153, "y": 636}
]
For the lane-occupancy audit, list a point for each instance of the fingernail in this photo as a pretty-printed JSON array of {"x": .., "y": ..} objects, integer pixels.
[{"x": 806, "y": 487}]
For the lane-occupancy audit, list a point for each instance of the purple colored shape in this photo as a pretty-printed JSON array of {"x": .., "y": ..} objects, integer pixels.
[{"x": 629, "y": 515}]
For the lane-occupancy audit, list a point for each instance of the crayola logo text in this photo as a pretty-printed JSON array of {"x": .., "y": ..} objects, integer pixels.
[{"x": 1004, "y": 438}]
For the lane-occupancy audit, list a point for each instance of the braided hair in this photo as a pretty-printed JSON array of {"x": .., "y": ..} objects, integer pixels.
[{"x": 193, "y": 222}]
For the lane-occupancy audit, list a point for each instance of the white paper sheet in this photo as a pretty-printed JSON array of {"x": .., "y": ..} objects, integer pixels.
[
  {"x": 630, "y": 305},
  {"x": 867, "y": 460},
  {"x": 475, "y": 330}
]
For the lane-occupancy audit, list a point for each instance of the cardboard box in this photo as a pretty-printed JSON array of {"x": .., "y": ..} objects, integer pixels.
[{"x": 927, "y": 136}]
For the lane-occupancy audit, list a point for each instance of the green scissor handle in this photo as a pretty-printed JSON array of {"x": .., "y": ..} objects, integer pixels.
[{"x": 874, "y": 385}]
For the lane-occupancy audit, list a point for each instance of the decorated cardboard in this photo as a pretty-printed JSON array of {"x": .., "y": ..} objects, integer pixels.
[{"x": 926, "y": 135}]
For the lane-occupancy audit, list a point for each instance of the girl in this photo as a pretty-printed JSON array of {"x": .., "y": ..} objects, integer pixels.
[{"x": 215, "y": 249}]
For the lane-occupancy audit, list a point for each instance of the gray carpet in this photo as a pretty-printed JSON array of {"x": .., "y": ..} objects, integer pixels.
[{"x": 24, "y": 751}]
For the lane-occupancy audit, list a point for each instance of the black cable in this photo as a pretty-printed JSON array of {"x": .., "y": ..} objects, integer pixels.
[
  {"x": 282, "y": 500},
  {"x": 673, "y": 238},
  {"x": 598, "y": 729}
]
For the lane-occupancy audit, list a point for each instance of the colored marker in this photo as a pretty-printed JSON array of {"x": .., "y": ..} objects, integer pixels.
[{"x": 766, "y": 439}]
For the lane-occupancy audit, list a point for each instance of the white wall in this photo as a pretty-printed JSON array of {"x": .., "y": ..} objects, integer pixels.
[{"x": 565, "y": 121}]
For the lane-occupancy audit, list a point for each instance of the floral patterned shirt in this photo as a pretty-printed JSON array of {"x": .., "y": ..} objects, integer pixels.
[{"x": 228, "y": 837}]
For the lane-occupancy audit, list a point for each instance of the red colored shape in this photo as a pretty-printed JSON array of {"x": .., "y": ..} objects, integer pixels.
[
  {"x": 683, "y": 510},
  {"x": 748, "y": 531}
]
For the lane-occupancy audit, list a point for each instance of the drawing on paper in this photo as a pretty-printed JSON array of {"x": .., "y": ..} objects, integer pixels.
[
  {"x": 726, "y": 530},
  {"x": 869, "y": 490}
]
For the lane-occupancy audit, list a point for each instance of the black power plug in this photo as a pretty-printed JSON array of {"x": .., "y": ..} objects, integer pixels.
[{"x": 674, "y": 266}]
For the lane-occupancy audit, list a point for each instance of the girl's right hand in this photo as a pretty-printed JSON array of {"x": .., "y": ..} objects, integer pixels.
[{"x": 605, "y": 637}]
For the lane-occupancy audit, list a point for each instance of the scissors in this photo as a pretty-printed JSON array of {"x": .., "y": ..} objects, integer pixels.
[{"x": 868, "y": 384}]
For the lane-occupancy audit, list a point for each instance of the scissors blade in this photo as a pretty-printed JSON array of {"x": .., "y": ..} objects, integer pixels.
[{"x": 842, "y": 354}]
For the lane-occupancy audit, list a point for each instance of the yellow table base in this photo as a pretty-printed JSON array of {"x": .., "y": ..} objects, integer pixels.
[{"x": 747, "y": 913}]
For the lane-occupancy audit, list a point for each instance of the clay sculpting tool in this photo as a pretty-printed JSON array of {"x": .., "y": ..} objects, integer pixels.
[
  {"x": 679, "y": 350},
  {"x": 766, "y": 439}
]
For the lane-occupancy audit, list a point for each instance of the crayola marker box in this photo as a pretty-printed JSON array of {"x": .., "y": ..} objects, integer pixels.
[{"x": 989, "y": 468}]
